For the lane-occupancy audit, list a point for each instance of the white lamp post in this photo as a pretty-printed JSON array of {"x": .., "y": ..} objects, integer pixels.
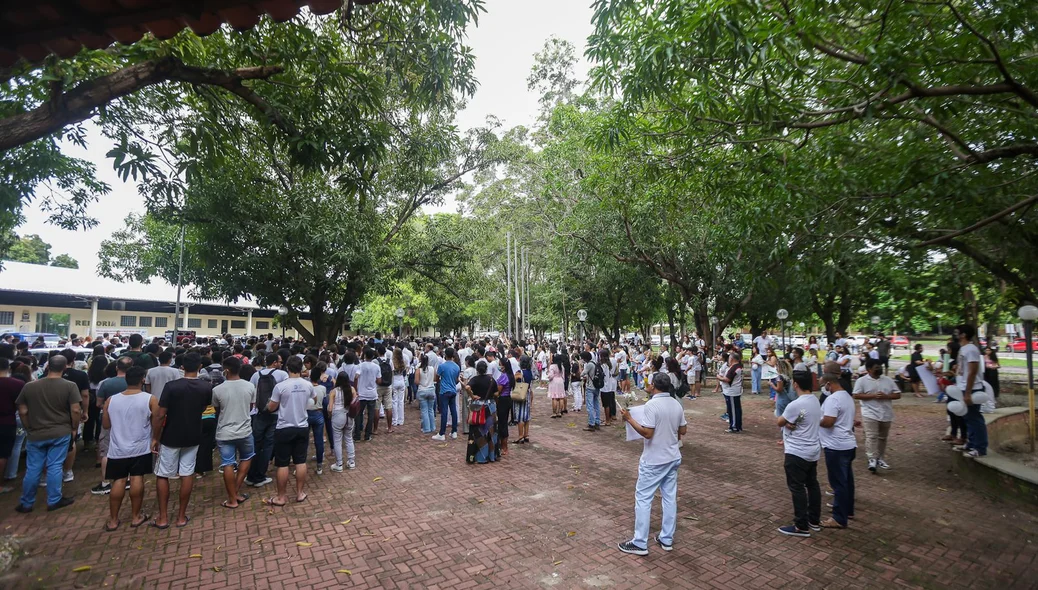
[
  {"x": 582, "y": 317},
  {"x": 282, "y": 312},
  {"x": 400, "y": 320},
  {"x": 1028, "y": 314},
  {"x": 781, "y": 315}
]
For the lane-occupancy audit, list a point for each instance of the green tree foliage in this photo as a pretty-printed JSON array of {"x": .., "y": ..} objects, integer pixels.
[
  {"x": 33, "y": 250},
  {"x": 64, "y": 261}
]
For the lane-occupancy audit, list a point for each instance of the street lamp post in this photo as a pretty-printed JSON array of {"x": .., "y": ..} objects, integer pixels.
[
  {"x": 1028, "y": 314},
  {"x": 400, "y": 320},
  {"x": 582, "y": 317},
  {"x": 713, "y": 334},
  {"x": 782, "y": 314},
  {"x": 282, "y": 312},
  {"x": 875, "y": 325}
]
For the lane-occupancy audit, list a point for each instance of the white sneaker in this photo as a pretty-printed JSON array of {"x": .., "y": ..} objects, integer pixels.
[
  {"x": 336, "y": 467},
  {"x": 351, "y": 465},
  {"x": 454, "y": 435},
  {"x": 69, "y": 476},
  {"x": 883, "y": 464},
  {"x": 872, "y": 465},
  {"x": 320, "y": 470},
  {"x": 439, "y": 437}
]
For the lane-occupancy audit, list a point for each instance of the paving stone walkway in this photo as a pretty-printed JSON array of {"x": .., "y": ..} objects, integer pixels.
[{"x": 415, "y": 515}]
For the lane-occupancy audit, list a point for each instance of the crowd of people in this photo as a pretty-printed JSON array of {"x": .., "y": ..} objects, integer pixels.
[{"x": 167, "y": 410}]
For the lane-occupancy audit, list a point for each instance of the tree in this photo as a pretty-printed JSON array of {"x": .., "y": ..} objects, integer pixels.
[
  {"x": 64, "y": 261},
  {"x": 31, "y": 249}
]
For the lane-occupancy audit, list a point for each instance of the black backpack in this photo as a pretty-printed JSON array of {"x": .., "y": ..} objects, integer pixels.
[
  {"x": 597, "y": 376},
  {"x": 387, "y": 372},
  {"x": 214, "y": 375},
  {"x": 264, "y": 389}
]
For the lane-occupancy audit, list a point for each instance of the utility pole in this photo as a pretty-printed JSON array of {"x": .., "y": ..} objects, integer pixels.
[
  {"x": 180, "y": 276},
  {"x": 508, "y": 277}
]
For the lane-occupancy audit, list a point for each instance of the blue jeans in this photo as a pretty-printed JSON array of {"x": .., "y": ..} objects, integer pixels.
[
  {"x": 447, "y": 403},
  {"x": 755, "y": 376},
  {"x": 650, "y": 478},
  {"x": 976, "y": 430},
  {"x": 16, "y": 450},
  {"x": 593, "y": 402},
  {"x": 841, "y": 480},
  {"x": 263, "y": 439},
  {"x": 44, "y": 454},
  {"x": 427, "y": 404},
  {"x": 315, "y": 418}
]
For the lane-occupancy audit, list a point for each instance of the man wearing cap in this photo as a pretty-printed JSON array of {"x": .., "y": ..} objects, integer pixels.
[
  {"x": 664, "y": 425},
  {"x": 838, "y": 444}
]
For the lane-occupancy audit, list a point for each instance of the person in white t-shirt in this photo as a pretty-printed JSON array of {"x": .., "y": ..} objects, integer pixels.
[
  {"x": 970, "y": 379},
  {"x": 624, "y": 368},
  {"x": 762, "y": 343},
  {"x": 839, "y": 445},
  {"x": 876, "y": 391},
  {"x": 800, "y": 421},
  {"x": 662, "y": 428}
]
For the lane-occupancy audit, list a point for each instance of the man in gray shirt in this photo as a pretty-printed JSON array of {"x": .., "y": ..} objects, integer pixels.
[
  {"x": 292, "y": 433},
  {"x": 234, "y": 400}
]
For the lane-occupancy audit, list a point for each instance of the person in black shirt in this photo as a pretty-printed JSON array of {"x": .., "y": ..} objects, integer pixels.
[
  {"x": 83, "y": 385},
  {"x": 483, "y": 438}
]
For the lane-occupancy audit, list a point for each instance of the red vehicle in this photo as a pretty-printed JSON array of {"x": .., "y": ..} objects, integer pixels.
[
  {"x": 900, "y": 342},
  {"x": 1020, "y": 345}
]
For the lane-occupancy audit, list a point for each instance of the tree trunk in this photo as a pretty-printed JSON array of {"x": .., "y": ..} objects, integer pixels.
[{"x": 757, "y": 325}]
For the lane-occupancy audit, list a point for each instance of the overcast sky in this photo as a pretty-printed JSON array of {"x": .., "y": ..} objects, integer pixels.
[{"x": 508, "y": 35}]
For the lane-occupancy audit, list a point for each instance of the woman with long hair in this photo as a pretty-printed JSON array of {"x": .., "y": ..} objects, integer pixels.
[
  {"x": 399, "y": 391},
  {"x": 506, "y": 381},
  {"x": 575, "y": 388},
  {"x": 484, "y": 444},
  {"x": 520, "y": 410},
  {"x": 425, "y": 376},
  {"x": 95, "y": 374},
  {"x": 557, "y": 386},
  {"x": 609, "y": 388},
  {"x": 991, "y": 368},
  {"x": 339, "y": 400}
]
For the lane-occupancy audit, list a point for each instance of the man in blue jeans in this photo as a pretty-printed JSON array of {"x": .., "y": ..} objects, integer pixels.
[
  {"x": 50, "y": 409},
  {"x": 836, "y": 434},
  {"x": 662, "y": 427},
  {"x": 592, "y": 395},
  {"x": 447, "y": 380},
  {"x": 969, "y": 378}
]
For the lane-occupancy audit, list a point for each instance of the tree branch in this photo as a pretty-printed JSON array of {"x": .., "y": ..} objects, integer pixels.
[
  {"x": 79, "y": 104},
  {"x": 981, "y": 223}
]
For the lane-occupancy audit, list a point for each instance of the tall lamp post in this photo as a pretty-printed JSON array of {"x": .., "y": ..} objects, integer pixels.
[
  {"x": 282, "y": 312},
  {"x": 875, "y": 325},
  {"x": 1028, "y": 314},
  {"x": 582, "y": 317},
  {"x": 713, "y": 334},
  {"x": 782, "y": 314},
  {"x": 400, "y": 320}
]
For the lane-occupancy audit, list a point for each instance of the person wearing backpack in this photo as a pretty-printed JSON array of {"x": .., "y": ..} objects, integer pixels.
[
  {"x": 594, "y": 378},
  {"x": 384, "y": 389},
  {"x": 264, "y": 421}
]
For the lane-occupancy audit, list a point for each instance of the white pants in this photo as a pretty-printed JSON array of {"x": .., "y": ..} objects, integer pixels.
[
  {"x": 342, "y": 429},
  {"x": 399, "y": 393},
  {"x": 576, "y": 388}
]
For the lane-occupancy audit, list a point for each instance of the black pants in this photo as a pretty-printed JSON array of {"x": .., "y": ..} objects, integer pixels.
[
  {"x": 504, "y": 408},
  {"x": 204, "y": 461},
  {"x": 92, "y": 428},
  {"x": 733, "y": 403},
  {"x": 609, "y": 402},
  {"x": 958, "y": 426},
  {"x": 263, "y": 424},
  {"x": 841, "y": 480},
  {"x": 991, "y": 376},
  {"x": 369, "y": 407},
  {"x": 802, "y": 479}
]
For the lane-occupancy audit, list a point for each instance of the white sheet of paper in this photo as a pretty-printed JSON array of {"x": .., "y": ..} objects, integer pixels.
[
  {"x": 928, "y": 379},
  {"x": 638, "y": 414}
]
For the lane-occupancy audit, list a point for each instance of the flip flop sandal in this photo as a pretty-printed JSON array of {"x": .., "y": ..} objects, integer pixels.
[
  {"x": 270, "y": 502},
  {"x": 112, "y": 529},
  {"x": 161, "y": 527},
  {"x": 225, "y": 505},
  {"x": 300, "y": 501},
  {"x": 244, "y": 497},
  {"x": 187, "y": 519},
  {"x": 144, "y": 518}
]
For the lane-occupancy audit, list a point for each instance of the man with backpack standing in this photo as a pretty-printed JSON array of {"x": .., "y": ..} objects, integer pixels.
[
  {"x": 263, "y": 421},
  {"x": 365, "y": 383},
  {"x": 384, "y": 388},
  {"x": 594, "y": 376}
]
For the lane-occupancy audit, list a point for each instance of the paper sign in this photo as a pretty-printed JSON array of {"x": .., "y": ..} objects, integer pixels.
[{"x": 638, "y": 415}]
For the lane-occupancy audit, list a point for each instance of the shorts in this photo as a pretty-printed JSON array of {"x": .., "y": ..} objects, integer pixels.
[
  {"x": 290, "y": 446},
  {"x": 385, "y": 396},
  {"x": 102, "y": 443},
  {"x": 128, "y": 467},
  {"x": 243, "y": 449},
  {"x": 623, "y": 374},
  {"x": 7, "y": 436},
  {"x": 176, "y": 461}
]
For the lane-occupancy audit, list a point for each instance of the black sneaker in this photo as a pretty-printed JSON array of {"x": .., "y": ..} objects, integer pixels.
[
  {"x": 663, "y": 545},
  {"x": 63, "y": 502},
  {"x": 23, "y": 508},
  {"x": 629, "y": 547},
  {"x": 101, "y": 489},
  {"x": 793, "y": 531}
]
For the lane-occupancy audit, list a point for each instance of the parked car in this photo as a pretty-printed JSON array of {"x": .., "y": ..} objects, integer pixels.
[
  {"x": 1020, "y": 345},
  {"x": 900, "y": 342}
]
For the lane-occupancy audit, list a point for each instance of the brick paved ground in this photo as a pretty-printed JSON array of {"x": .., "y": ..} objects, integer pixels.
[{"x": 550, "y": 516}]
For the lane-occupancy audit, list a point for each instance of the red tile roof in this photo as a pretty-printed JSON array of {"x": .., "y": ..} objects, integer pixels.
[{"x": 37, "y": 28}]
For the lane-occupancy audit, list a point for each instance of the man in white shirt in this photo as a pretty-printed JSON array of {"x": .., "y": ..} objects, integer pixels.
[
  {"x": 839, "y": 445},
  {"x": 969, "y": 378},
  {"x": 762, "y": 343},
  {"x": 876, "y": 391},
  {"x": 664, "y": 425},
  {"x": 800, "y": 422},
  {"x": 264, "y": 422},
  {"x": 366, "y": 387},
  {"x": 624, "y": 367}
]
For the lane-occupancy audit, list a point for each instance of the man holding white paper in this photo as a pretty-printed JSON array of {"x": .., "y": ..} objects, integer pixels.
[{"x": 662, "y": 427}]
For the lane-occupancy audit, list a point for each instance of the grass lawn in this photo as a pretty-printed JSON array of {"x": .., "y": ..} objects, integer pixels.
[{"x": 1002, "y": 360}]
